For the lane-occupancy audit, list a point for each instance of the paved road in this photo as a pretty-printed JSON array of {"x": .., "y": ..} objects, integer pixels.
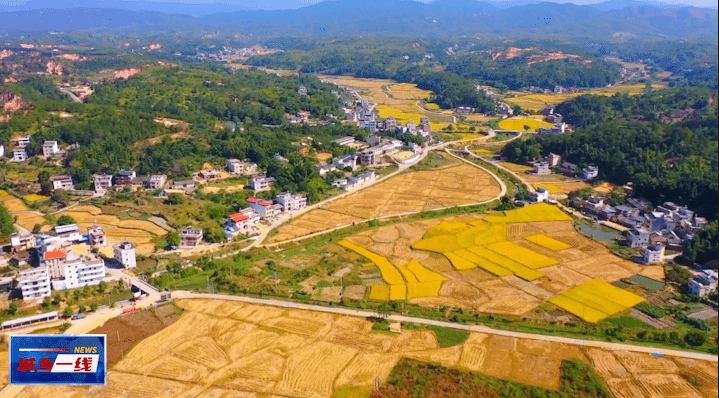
[
  {"x": 472, "y": 328},
  {"x": 73, "y": 96}
]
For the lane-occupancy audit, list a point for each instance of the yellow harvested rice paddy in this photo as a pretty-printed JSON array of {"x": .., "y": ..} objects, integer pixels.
[{"x": 595, "y": 300}]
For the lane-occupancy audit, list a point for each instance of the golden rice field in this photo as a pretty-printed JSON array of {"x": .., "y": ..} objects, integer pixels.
[
  {"x": 26, "y": 217},
  {"x": 456, "y": 184},
  {"x": 36, "y": 198},
  {"x": 549, "y": 243},
  {"x": 411, "y": 281},
  {"x": 228, "y": 349},
  {"x": 536, "y": 102},
  {"x": 595, "y": 300},
  {"x": 483, "y": 243},
  {"x": 549, "y": 187},
  {"x": 519, "y": 123}
]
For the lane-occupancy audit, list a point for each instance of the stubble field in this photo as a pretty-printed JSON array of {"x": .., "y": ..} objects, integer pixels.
[
  {"x": 223, "y": 349},
  {"x": 457, "y": 184}
]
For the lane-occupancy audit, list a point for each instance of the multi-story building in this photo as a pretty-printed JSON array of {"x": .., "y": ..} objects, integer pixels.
[
  {"x": 263, "y": 207},
  {"x": 290, "y": 202},
  {"x": 703, "y": 284},
  {"x": 345, "y": 161},
  {"x": 653, "y": 254},
  {"x": 103, "y": 182},
  {"x": 638, "y": 237},
  {"x": 125, "y": 177},
  {"x": 542, "y": 168},
  {"x": 34, "y": 283},
  {"x": 62, "y": 182},
  {"x": 22, "y": 241},
  {"x": 241, "y": 221},
  {"x": 411, "y": 127},
  {"x": 209, "y": 174},
  {"x": 125, "y": 254},
  {"x": 261, "y": 183},
  {"x": 96, "y": 236},
  {"x": 236, "y": 166},
  {"x": 23, "y": 140},
  {"x": 19, "y": 154},
  {"x": 54, "y": 259},
  {"x": 78, "y": 272},
  {"x": 590, "y": 172},
  {"x": 390, "y": 124},
  {"x": 540, "y": 195},
  {"x": 156, "y": 181},
  {"x": 50, "y": 148},
  {"x": 190, "y": 237},
  {"x": 68, "y": 233},
  {"x": 425, "y": 125}
]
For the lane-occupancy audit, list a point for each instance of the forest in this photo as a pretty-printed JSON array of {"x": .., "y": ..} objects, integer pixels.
[
  {"x": 675, "y": 162},
  {"x": 110, "y": 128}
]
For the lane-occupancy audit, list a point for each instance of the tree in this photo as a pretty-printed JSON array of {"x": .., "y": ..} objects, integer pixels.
[
  {"x": 68, "y": 312},
  {"x": 82, "y": 308},
  {"x": 172, "y": 239},
  {"x": 65, "y": 220},
  {"x": 94, "y": 306},
  {"x": 695, "y": 338},
  {"x": 175, "y": 199},
  {"x": 12, "y": 309},
  {"x": 384, "y": 310},
  {"x": 6, "y": 222},
  {"x": 36, "y": 228},
  {"x": 102, "y": 287},
  {"x": 526, "y": 127},
  {"x": 46, "y": 302}
]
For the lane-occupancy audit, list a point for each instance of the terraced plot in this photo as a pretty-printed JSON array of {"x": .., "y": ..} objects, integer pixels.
[{"x": 595, "y": 300}]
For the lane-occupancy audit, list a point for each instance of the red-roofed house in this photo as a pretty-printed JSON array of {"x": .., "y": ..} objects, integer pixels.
[
  {"x": 241, "y": 222},
  {"x": 54, "y": 259},
  {"x": 263, "y": 207}
]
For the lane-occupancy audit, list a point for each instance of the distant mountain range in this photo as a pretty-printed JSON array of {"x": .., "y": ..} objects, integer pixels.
[{"x": 440, "y": 18}]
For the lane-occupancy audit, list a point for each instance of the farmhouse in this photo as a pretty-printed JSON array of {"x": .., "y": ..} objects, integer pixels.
[
  {"x": 96, "y": 236},
  {"x": 190, "y": 237},
  {"x": 23, "y": 140},
  {"x": 62, "y": 182},
  {"x": 19, "y": 154},
  {"x": 209, "y": 174},
  {"x": 390, "y": 124},
  {"x": 324, "y": 168},
  {"x": 291, "y": 202},
  {"x": 236, "y": 166},
  {"x": 75, "y": 272},
  {"x": 103, "y": 182},
  {"x": 68, "y": 233},
  {"x": 542, "y": 168},
  {"x": 540, "y": 195},
  {"x": 261, "y": 182},
  {"x": 263, "y": 207},
  {"x": 183, "y": 185},
  {"x": 156, "y": 181},
  {"x": 638, "y": 237},
  {"x": 125, "y": 254},
  {"x": 241, "y": 221},
  {"x": 569, "y": 168},
  {"x": 590, "y": 172},
  {"x": 344, "y": 141},
  {"x": 34, "y": 283},
  {"x": 653, "y": 254},
  {"x": 125, "y": 177},
  {"x": 22, "y": 241},
  {"x": 340, "y": 183},
  {"x": 345, "y": 161},
  {"x": 702, "y": 285},
  {"x": 50, "y": 148},
  {"x": 464, "y": 110},
  {"x": 554, "y": 118}
]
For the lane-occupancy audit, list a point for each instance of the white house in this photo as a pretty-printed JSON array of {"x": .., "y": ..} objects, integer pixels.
[
  {"x": 96, "y": 236},
  {"x": 242, "y": 221},
  {"x": 77, "y": 272},
  {"x": 22, "y": 241},
  {"x": 653, "y": 254},
  {"x": 590, "y": 172},
  {"x": 540, "y": 195},
  {"x": 190, "y": 237},
  {"x": 261, "y": 182},
  {"x": 62, "y": 182},
  {"x": 291, "y": 202},
  {"x": 68, "y": 233},
  {"x": 103, "y": 182},
  {"x": 125, "y": 254},
  {"x": 638, "y": 237},
  {"x": 263, "y": 207},
  {"x": 345, "y": 161},
  {"x": 344, "y": 140},
  {"x": 19, "y": 154},
  {"x": 703, "y": 284},
  {"x": 324, "y": 168},
  {"x": 50, "y": 148},
  {"x": 2, "y": 150},
  {"x": 34, "y": 283},
  {"x": 236, "y": 166},
  {"x": 156, "y": 181},
  {"x": 542, "y": 168}
]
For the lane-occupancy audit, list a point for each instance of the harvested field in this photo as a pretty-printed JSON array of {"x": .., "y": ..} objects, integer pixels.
[
  {"x": 408, "y": 192},
  {"x": 207, "y": 354},
  {"x": 140, "y": 232}
]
